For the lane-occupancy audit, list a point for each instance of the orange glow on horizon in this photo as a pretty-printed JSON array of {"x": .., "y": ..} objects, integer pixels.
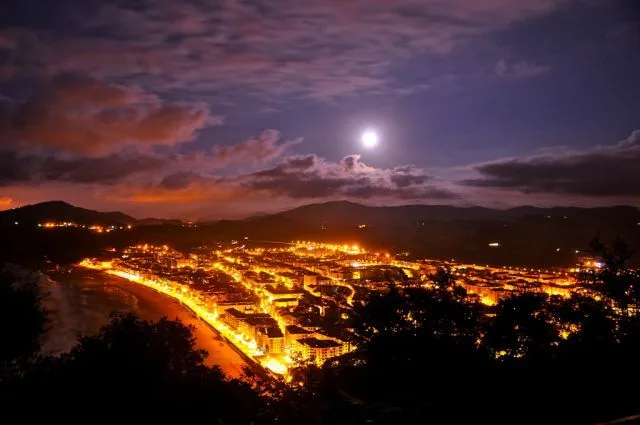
[{"x": 5, "y": 201}]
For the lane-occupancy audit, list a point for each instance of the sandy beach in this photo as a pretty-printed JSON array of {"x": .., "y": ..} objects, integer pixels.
[{"x": 80, "y": 303}]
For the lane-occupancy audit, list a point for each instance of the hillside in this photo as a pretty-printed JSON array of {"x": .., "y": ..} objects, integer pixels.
[
  {"x": 526, "y": 235},
  {"x": 59, "y": 211},
  {"x": 344, "y": 213}
]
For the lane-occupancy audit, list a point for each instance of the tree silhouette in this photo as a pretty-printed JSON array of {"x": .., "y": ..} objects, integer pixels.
[
  {"x": 615, "y": 279},
  {"x": 523, "y": 327},
  {"x": 135, "y": 366},
  {"x": 22, "y": 319}
]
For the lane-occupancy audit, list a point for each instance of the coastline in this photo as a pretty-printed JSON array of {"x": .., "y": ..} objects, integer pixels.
[{"x": 80, "y": 303}]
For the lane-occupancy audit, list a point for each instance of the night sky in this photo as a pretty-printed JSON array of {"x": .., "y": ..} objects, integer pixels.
[{"x": 212, "y": 109}]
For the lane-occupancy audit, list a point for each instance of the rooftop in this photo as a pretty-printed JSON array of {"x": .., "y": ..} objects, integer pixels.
[
  {"x": 260, "y": 320},
  {"x": 235, "y": 313},
  {"x": 272, "y": 332},
  {"x": 297, "y": 330},
  {"x": 280, "y": 291},
  {"x": 282, "y": 300},
  {"x": 318, "y": 343}
]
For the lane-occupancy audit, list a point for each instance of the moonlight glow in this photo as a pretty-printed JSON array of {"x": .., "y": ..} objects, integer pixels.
[{"x": 369, "y": 139}]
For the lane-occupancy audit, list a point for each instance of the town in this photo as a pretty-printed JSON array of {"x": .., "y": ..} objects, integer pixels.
[{"x": 287, "y": 304}]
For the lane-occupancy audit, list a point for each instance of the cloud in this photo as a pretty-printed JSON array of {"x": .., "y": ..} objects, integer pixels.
[
  {"x": 186, "y": 189},
  {"x": 104, "y": 170},
  {"x": 254, "y": 151},
  {"x": 605, "y": 171},
  {"x": 180, "y": 180},
  {"x": 521, "y": 69},
  {"x": 111, "y": 169},
  {"x": 15, "y": 168},
  {"x": 322, "y": 49},
  {"x": 407, "y": 176},
  {"x": 310, "y": 176},
  {"x": 179, "y": 170},
  {"x": 87, "y": 116}
]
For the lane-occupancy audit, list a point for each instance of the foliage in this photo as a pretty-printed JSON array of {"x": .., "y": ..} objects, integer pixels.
[
  {"x": 615, "y": 279},
  {"x": 432, "y": 355},
  {"x": 22, "y": 319},
  {"x": 137, "y": 367}
]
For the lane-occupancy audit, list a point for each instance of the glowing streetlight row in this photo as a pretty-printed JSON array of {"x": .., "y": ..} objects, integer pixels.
[{"x": 191, "y": 299}]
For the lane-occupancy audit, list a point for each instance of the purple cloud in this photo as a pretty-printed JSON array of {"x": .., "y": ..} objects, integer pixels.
[
  {"x": 254, "y": 151},
  {"x": 106, "y": 170},
  {"x": 321, "y": 49},
  {"x": 311, "y": 176},
  {"x": 600, "y": 172},
  {"x": 520, "y": 69}
]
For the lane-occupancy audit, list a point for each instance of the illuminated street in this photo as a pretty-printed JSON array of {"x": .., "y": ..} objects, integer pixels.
[{"x": 286, "y": 304}]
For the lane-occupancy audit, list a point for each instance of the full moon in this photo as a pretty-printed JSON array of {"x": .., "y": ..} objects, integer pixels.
[{"x": 369, "y": 139}]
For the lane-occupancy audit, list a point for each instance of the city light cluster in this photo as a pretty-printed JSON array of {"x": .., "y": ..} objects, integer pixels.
[
  {"x": 97, "y": 228},
  {"x": 283, "y": 304}
]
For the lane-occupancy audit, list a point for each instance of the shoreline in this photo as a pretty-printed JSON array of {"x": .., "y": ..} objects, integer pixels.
[
  {"x": 251, "y": 363},
  {"x": 90, "y": 293}
]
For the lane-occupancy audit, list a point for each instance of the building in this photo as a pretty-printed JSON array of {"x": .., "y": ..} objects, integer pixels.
[
  {"x": 309, "y": 280},
  {"x": 294, "y": 333},
  {"x": 252, "y": 323},
  {"x": 233, "y": 318},
  {"x": 317, "y": 350},
  {"x": 271, "y": 340},
  {"x": 274, "y": 293},
  {"x": 243, "y": 306},
  {"x": 285, "y": 302}
]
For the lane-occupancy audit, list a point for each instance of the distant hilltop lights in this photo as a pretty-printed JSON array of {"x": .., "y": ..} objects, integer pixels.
[{"x": 97, "y": 228}]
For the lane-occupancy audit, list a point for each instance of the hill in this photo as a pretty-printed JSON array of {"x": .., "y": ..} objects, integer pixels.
[
  {"x": 526, "y": 235},
  {"x": 345, "y": 213},
  {"x": 59, "y": 211}
]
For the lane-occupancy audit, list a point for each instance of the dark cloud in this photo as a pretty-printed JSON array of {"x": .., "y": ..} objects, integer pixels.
[
  {"x": 407, "y": 176},
  {"x": 295, "y": 164},
  {"x": 180, "y": 180},
  {"x": 112, "y": 169},
  {"x": 182, "y": 169},
  {"x": 15, "y": 168},
  {"x": 602, "y": 171},
  {"x": 84, "y": 115},
  {"x": 300, "y": 162},
  {"x": 313, "y": 177},
  {"x": 105, "y": 170}
]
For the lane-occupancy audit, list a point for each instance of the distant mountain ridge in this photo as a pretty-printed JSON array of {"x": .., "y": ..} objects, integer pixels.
[
  {"x": 59, "y": 211},
  {"x": 350, "y": 213},
  {"x": 340, "y": 213},
  {"x": 525, "y": 235}
]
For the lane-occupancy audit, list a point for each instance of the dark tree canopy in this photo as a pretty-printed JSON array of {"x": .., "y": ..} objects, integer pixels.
[
  {"x": 135, "y": 367},
  {"x": 432, "y": 355},
  {"x": 22, "y": 319}
]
